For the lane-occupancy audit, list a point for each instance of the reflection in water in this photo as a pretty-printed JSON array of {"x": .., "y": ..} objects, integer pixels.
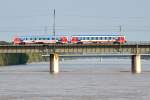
[{"x": 79, "y": 79}]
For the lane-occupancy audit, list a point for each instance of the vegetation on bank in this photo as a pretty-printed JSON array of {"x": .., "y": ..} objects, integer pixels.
[
  {"x": 20, "y": 58},
  {"x": 13, "y": 59}
]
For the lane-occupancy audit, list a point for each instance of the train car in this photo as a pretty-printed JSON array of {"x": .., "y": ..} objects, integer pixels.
[
  {"x": 103, "y": 39},
  {"x": 39, "y": 39}
]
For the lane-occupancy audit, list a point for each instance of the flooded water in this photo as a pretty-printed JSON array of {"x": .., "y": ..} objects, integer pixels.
[{"x": 80, "y": 79}]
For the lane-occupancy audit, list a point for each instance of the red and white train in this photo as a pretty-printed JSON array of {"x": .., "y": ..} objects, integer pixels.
[{"x": 74, "y": 39}]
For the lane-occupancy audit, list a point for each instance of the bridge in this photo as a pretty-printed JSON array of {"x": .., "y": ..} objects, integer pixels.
[{"x": 135, "y": 50}]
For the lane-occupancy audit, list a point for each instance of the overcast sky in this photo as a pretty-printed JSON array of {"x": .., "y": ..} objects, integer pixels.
[{"x": 75, "y": 16}]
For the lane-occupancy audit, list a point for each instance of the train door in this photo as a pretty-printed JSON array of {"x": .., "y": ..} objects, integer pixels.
[
  {"x": 64, "y": 39},
  {"x": 121, "y": 39},
  {"x": 74, "y": 39},
  {"x": 17, "y": 41}
]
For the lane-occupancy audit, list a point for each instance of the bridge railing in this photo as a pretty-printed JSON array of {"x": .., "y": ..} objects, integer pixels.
[{"x": 138, "y": 42}]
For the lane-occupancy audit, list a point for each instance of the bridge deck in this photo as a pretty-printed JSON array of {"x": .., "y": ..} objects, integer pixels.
[{"x": 126, "y": 49}]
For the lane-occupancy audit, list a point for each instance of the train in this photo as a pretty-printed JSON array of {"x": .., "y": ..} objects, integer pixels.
[{"x": 73, "y": 39}]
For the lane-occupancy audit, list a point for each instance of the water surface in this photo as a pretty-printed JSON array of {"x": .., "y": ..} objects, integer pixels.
[{"x": 80, "y": 79}]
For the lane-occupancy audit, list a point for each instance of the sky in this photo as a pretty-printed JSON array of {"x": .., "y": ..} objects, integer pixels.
[{"x": 23, "y": 17}]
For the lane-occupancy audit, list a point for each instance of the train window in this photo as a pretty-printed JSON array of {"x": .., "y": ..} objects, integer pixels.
[
  {"x": 110, "y": 38},
  {"x": 35, "y": 39},
  {"x": 87, "y": 38},
  {"x": 105, "y": 38},
  {"x": 26, "y": 38},
  {"x": 30, "y": 38},
  {"x": 83, "y": 38},
  {"x": 53, "y": 38},
  {"x": 58, "y": 38},
  {"x": 79, "y": 38},
  {"x": 48, "y": 38},
  {"x": 116, "y": 38},
  {"x": 39, "y": 38},
  {"x": 96, "y": 38},
  {"x": 92, "y": 38},
  {"x": 99, "y": 38}
]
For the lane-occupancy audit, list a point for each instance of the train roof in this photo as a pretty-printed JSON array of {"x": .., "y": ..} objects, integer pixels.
[
  {"x": 32, "y": 35},
  {"x": 99, "y": 35},
  {"x": 40, "y": 36},
  {"x": 51, "y": 35}
]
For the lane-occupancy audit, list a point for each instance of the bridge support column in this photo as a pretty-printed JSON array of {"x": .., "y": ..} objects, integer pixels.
[
  {"x": 136, "y": 63},
  {"x": 54, "y": 63}
]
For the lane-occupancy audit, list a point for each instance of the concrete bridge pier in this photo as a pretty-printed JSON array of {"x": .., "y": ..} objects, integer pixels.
[
  {"x": 136, "y": 63},
  {"x": 54, "y": 63}
]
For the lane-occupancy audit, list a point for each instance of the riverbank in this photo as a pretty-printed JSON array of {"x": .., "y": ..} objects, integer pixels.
[
  {"x": 20, "y": 58},
  {"x": 13, "y": 59}
]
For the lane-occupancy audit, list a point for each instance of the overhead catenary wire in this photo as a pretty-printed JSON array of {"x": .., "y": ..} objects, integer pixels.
[
  {"x": 71, "y": 26},
  {"x": 65, "y": 28}
]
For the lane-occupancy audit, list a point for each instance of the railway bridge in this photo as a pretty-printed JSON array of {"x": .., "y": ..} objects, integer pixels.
[{"x": 135, "y": 50}]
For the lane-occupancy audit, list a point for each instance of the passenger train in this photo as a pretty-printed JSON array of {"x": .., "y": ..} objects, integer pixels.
[{"x": 74, "y": 39}]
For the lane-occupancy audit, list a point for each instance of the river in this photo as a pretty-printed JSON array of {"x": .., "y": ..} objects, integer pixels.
[{"x": 79, "y": 79}]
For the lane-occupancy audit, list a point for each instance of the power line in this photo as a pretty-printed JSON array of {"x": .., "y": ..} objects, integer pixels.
[
  {"x": 77, "y": 15},
  {"x": 47, "y": 29}
]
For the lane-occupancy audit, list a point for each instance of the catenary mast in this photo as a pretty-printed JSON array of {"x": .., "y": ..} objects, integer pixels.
[{"x": 54, "y": 23}]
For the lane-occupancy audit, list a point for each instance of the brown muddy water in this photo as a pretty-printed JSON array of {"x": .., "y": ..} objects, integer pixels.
[{"x": 80, "y": 79}]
